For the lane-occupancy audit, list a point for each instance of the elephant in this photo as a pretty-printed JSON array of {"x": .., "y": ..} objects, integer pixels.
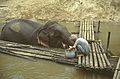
[{"x": 51, "y": 34}]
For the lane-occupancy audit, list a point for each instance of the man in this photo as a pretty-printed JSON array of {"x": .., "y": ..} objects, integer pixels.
[{"x": 81, "y": 45}]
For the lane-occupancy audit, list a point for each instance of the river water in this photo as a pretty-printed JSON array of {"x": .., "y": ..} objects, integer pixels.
[
  {"x": 18, "y": 68},
  {"x": 114, "y": 29}
]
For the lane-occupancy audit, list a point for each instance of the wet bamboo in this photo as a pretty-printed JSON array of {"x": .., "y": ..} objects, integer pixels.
[
  {"x": 83, "y": 61},
  {"x": 33, "y": 55},
  {"x": 79, "y": 60},
  {"x": 14, "y": 54},
  {"x": 85, "y": 29},
  {"x": 33, "y": 51},
  {"x": 65, "y": 61},
  {"x": 18, "y": 45},
  {"x": 93, "y": 38},
  {"x": 95, "y": 57},
  {"x": 98, "y": 26},
  {"x": 90, "y": 31},
  {"x": 80, "y": 28},
  {"x": 118, "y": 76},
  {"x": 102, "y": 58},
  {"x": 98, "y": 55},
  {"x": 91, "y": 58},
  {"x": 116, "y": 71},
  {"x": 87, "y": 61},
  {"x": 104, "y": 55}
]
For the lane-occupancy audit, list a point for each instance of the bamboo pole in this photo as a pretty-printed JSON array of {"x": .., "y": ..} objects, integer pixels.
[
  {"x": 102, "y": 58},
  {"x": 34, "y": 55},
  {"x": 116, "y": 71},
  {"x": 95, "y": 57},
  {"x": 85, "y": 31},
  {"x": 83, "y": 61},
  {"x": 93, "y": 38},
  {"x": 104, "y": 55},
  {"x": 90, "y": 31},
  {"x": 118, "y": 76},
  {"x": 98, "y": 55},
  {"x": 108, "y": 40},
  {"x": 23, "y": 46},
  {"x": 80, "y": 60},
  {"x": 14, "y": 54},
  {"x": 34, "y": 51},
  {"x": 80, "y": 29},
  {"x": 98, "y": 27},
  {"x": 91, "y": 57},
  {"x": 87, "y": 61}
]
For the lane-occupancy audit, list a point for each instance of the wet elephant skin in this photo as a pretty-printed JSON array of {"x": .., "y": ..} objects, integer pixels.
[{"x": 52, "y": 34}]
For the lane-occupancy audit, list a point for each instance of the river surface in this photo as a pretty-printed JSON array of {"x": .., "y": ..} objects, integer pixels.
[
  {"x": 17, "y": 68},
  {"x": 114, "y": 44}
]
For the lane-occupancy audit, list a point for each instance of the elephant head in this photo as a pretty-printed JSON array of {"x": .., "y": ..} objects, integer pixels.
[{"x": 54, "y": 34}]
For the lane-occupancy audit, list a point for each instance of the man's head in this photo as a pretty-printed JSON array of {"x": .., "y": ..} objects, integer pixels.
[{"x": 73, "y": 37}]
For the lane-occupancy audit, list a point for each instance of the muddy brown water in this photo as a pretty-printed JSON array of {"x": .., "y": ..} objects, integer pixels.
[
  {"x": 18, "y": 68},
  {"x": 114, "y": 44}
]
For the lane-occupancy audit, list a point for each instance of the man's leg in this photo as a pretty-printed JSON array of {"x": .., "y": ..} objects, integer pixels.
[{"x": 80, "y": 49}]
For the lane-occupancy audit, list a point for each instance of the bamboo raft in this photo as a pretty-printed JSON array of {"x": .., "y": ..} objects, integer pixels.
[
  {"x": 28, "y": 51},
  {"x": 97, "y": 60}
]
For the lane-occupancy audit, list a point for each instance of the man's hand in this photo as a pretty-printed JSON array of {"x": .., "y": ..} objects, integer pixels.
[{"x": 71, "y": 47}]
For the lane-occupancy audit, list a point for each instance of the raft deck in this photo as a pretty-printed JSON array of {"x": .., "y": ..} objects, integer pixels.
[
  {"x": 28, "y": 52},
  {"x": 97, "y": 60}
]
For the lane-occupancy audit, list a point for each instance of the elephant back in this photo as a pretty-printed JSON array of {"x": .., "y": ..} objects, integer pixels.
[{"x": 19, "y": 30}]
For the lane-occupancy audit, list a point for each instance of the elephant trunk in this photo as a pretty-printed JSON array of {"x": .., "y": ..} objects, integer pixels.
[{"x": 67, "y": 40}]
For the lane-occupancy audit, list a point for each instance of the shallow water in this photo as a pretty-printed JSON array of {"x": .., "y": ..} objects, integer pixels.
[
  {"x": 114, "y": 44},
  {"x": 17, "y": 68}
]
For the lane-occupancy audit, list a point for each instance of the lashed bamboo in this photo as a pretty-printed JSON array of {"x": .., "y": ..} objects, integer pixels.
[
  {"x": 98, "y": 56},
  {"x": 95, "y": 57},
  {"x": 83, "y": 61},
  {"x": 91, "y": 57},
  {"x": 90, "y": 31},
  {"x": 93, "y": 38},
  {"x": 102, "y": 57},
  {"x": 87, "y": 61},
  {"x": 85, "y": 31},
  {"x": 80, "y": 29},
  {"x": 116, "y": 74},
  {"x": 83, "y": 28},
  {"x": 35, "y": 53}
]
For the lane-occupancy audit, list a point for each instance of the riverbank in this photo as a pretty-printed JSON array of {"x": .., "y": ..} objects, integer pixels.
[{"x": 62, "y": 9}]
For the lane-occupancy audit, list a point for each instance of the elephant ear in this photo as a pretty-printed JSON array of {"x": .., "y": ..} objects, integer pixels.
[{"x": 57, "y": 33}]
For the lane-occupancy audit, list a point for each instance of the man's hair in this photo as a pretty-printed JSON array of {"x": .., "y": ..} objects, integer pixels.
[{"x": 73, "y": 37}]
